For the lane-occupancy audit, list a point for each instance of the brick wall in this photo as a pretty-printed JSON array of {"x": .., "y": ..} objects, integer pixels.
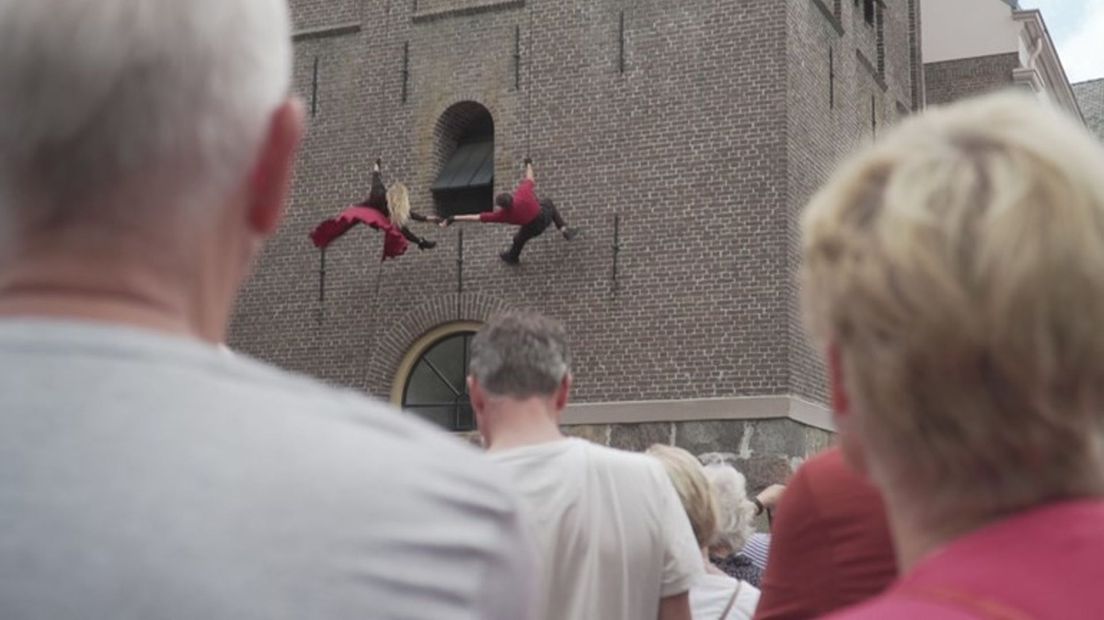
[
  {"x": 820, "y": 131},
  {"x": 309, "y": 14},
  {"x": 706, "y": 147},
  {"x": 958, "y": 79},
  {"x": 1090, "y": 98}
]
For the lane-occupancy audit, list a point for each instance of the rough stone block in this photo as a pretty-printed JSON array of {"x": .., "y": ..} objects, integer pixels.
[
  {"x": 638, "y": 437},
  {"x": 596, "y": 433},
  {"x": 723, "y": 436}
]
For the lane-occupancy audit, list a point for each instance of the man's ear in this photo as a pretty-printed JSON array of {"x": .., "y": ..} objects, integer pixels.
[
  {"x": 562, "y": 392},
  {"x": 477, "y": 395},
  {"x": 846, "y": 431},
  {"x": 270, "y": 180}
]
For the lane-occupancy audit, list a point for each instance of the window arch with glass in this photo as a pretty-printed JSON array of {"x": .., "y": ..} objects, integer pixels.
[{"x": 435, "y": 387}]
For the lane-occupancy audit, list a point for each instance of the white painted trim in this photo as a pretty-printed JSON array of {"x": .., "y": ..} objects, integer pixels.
[
  {"x": 734, "y": 408},
  {"x": 1050, "y": 74}
]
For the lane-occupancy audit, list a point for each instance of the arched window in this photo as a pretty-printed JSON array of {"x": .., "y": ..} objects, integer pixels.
[
  {"x": 465, "y": 160},
  {"x": 435, "y": 385}
]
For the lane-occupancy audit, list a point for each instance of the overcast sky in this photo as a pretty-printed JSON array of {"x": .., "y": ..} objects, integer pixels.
[{"x": 1077, "y": 27}]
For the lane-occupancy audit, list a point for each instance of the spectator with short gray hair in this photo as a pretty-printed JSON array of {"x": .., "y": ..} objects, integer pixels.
[
  {"x": 146, "y": 150},
  {"x": 613, "y": 538}
]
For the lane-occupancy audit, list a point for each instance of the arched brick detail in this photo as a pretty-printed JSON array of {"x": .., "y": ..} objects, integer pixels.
[
  {"x": 451, "y": 125},
  {"x": 396, "y": 339},
  {"x": 433, "y": 148}
]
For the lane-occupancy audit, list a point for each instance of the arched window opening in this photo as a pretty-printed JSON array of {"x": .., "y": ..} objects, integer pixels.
[{"x": 465, "y": 155}]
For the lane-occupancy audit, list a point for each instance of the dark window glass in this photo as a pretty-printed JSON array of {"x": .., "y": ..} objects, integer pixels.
[
  {"x": 465, "y": 183},
  {"x": 437, "y": 388}
]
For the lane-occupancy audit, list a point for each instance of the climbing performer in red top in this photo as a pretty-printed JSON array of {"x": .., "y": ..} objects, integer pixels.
[{"x": 522, "y": 209}]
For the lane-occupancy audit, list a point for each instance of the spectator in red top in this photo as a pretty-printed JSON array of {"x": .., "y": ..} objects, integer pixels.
[
  {"x": 830, "y": 543},
  {"x": 951, "y": 273},
  {"x": 522, "y": 209}
]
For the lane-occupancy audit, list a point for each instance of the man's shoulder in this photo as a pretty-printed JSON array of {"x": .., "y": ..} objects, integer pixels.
[
  {"x": 196, "y": 388},
  {"x": 620, "y": 463},
  {"x": 363, "y": 418},
  {"x": 626, "y": 464}
]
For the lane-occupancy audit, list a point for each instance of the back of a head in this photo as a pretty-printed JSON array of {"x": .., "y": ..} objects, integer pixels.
[
  {"x": 133, "y": 112},
  {"x": 688, "y": 478},
  {"x": 520, "y": 355},
  {"x": 956, "y": 266},
  {"x": 734, "y": 511},
  {"x": 504, "y": 200},
  {"x": 398, "y": 203}
]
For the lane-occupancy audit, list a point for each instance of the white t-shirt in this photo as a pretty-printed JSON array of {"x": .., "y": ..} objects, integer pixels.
[
  {"x": 612, "y": 533},
  {"x": 148, "y": 476},
  {"x": 710, "y": 595}
]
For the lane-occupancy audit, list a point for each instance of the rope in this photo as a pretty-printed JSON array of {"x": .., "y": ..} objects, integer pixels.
[
  {"x": 379, "y": 278},
  {"x": 529, "y": 90}
]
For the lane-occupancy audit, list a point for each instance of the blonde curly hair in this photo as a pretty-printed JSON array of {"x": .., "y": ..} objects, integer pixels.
[{"x": 398, "y": 203}]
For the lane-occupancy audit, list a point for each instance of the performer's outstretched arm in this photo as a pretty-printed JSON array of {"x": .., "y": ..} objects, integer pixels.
[
  {"x": 462, "y": 218},
  {"x": 418, "y": 217}
]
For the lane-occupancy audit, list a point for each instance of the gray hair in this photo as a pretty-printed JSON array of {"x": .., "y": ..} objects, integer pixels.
[
  {"x": 520, "y": 354},
  {"x": 118, "y": 109},
  {"x": 734, "y": 511}
]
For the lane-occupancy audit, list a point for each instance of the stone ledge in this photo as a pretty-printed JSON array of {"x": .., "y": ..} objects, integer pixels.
[
  {"x": 865, "y": 62},
  {"x": 735, "y": 408},
  {"x": 322, "y": 32},
  {"x": 470, "y": 8},
  {"x": 830, "y": 15}
]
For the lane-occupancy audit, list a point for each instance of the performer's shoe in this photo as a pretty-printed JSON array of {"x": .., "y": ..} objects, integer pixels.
[
  {"x": 509, "y": 260},
  {"x": 570, "y": 233},
  {"x": 426, "y": 244}
]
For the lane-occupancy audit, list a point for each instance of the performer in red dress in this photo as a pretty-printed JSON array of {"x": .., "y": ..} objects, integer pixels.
[{"x": 386, "y": 210}]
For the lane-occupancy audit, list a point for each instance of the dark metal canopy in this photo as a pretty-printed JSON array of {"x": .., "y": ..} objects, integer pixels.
[{"x": 471, "y": 166}]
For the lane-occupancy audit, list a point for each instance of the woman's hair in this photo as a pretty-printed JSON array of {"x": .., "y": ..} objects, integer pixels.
[
  {"x": 398, "y": 202},
  {"x": 734, "y": 511},
  {"x": 504, "y": 200},
  {"x": 688, "y": 478},
  {"x": 955, "y": 269}
]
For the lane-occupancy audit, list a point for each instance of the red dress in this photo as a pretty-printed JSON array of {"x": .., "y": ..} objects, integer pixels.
[{"x": 394, "y": 245}]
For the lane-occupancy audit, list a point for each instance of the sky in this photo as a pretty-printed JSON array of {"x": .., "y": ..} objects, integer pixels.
[{"x": 1077, "y": 27}]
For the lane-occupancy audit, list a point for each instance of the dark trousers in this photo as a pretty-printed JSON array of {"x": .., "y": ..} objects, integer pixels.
[{"x": 549, "y": 215}]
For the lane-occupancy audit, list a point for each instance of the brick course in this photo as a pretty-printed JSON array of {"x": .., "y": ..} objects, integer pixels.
[{"x": 952, "y": 80}]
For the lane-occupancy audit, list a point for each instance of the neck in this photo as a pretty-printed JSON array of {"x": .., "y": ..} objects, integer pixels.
[
  {"x": 106, "y": 289},
  {"x": 917, "y": 533},
  {"x": 519, "y": 423}
]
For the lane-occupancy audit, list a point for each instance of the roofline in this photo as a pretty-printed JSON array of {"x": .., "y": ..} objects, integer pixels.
[{"x": 1035, "y": 16}]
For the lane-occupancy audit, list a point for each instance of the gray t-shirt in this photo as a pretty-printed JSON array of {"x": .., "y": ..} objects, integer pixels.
[{"x": 147, "y": 476}]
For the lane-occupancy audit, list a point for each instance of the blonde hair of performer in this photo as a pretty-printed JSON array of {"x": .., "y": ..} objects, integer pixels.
[{"x": 398, "y": 201}]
